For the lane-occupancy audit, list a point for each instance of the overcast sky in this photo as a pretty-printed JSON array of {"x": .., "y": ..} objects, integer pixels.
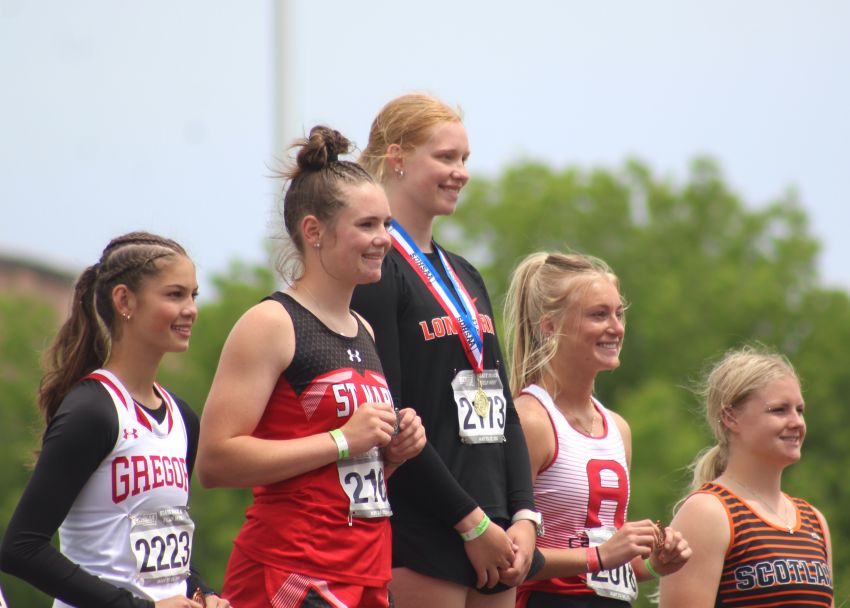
[{"x": 161, "y": 115}]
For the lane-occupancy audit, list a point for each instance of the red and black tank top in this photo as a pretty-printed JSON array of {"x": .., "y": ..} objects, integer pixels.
[{"x": 767, "y": 565}]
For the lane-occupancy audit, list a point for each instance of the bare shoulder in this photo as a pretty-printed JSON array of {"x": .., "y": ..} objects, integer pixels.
[
  {"x": 538, "y": 430},
  {"x": 703, "y": 523},
  {"x": 531, "y": 411},
  {"x": 622, "y": 425},
  {"x": 263, "y": 333},
  {"x": 703, "y": 520}
]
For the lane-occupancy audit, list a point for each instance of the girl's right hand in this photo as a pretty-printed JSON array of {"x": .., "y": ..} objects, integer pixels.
[
  {"x": 634, "y": 539},
  {"x": 371, "y": 425}
]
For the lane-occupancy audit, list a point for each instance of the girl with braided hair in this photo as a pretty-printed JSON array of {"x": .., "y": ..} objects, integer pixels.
[
  {"x": 113, "y": 472},
  {"x": 299, "y": 407}
]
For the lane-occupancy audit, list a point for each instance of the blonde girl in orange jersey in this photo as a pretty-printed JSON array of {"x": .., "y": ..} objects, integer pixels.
[{"x": 776, "y": 549}]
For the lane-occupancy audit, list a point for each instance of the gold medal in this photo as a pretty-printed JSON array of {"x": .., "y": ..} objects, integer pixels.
[{"x": 480, "y": 402}]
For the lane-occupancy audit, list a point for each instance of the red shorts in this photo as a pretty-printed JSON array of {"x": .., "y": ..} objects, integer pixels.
[{"x": 250, "y": 584}]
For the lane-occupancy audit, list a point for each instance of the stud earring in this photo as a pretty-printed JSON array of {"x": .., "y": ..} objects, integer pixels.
[{"x": 126, "y": 316}]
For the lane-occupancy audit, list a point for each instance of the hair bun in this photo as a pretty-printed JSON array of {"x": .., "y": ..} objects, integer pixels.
[{"x": 322, "y": 147}]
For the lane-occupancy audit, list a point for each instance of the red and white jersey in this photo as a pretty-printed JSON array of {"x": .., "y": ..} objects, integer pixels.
[
  {"x": 586, "y": 485},
  {"x": 129, "y": 525}
]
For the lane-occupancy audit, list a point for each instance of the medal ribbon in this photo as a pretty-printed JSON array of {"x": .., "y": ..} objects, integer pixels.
[{"x": 463, "y": 313}]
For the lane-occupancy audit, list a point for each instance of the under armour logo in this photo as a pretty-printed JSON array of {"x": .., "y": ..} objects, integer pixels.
[
  {"x": 354, "y": 355},
  {"x": 132, "y": 432}
]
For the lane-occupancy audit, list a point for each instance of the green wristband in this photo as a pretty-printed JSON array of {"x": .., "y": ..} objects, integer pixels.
[
  {"x": 650, "y": 569},
  {"x": 477, "y": 531},
  {"x": 341, "y": 443}
]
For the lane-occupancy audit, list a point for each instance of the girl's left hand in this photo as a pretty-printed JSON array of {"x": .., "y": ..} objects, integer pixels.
[
  {"x": 672, "y": 554},
  {"x": 409, "y": 440},
  {"x": 209, "y": 601},
  {"x": 524, "y": 536}
]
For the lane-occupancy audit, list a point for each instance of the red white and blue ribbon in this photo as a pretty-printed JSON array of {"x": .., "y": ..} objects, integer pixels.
[{"x": 461, "y": 310}]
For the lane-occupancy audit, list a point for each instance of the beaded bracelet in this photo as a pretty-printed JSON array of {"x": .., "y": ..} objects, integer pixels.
[
  {"x": 341, "y": 443},
  {"x": 477, "y": 531}
]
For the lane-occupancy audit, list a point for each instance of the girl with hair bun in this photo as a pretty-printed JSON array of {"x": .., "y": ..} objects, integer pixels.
[
  {"x": 299, "y": 408},
  {"x": 753, "y": 544},
  {"x": 118, "y": 449},
  {"x": 464, "y": 525},
  {"x": 566, "y": 324}
]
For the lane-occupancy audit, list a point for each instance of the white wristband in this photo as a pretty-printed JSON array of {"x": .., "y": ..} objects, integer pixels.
[{"x": 533, "y": 516}]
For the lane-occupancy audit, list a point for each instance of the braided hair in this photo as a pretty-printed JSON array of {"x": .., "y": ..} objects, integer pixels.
[{"x": 84, "y": 340}]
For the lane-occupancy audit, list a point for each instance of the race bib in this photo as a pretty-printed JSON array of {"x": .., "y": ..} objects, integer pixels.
[
  {"x": 362, "y": 478},
  {"x": 617, "y": 583},
  {"x": 162, "y": 544},
  {"x": 481, "y": 406}
]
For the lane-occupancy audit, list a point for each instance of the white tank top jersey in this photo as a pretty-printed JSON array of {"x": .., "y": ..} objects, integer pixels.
[
  {"x": 129, "y": 524},
  {"x": 587, "y": 483}
]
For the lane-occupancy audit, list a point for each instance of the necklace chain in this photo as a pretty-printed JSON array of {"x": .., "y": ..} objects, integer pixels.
[
  {"x": 781, "y": 518},
  {"x": 575, "y": 419},
  {"x": 592, "y": 424},
  {"x": 327, "y": 318}
]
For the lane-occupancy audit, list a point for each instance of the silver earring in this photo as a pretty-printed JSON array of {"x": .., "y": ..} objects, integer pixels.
[
  {"x": 399, "y": 172},
  {"x": 317, "y": 245},
  {"x": 126, "y": 316}
]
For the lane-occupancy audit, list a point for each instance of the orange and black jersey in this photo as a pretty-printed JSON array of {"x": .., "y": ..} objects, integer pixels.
[{"x": 767, "y": 565}]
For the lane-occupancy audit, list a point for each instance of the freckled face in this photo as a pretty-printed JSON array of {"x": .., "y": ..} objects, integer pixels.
[
  {"x": 591, "y": 335},
  {"x": 770, "y": 422},
  {"x": 435, "y": 171},
  {"x": 359, "y": 239}
]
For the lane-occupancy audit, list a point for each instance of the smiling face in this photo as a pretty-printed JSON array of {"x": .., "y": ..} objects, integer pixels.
[
  {"x": 163, "y": 309},
  {"x": 358, "y": 239},
  {"x": 592, "y": 331},
  {"x": 770, "y": 423},
  {"x": 435, "y": 171}
]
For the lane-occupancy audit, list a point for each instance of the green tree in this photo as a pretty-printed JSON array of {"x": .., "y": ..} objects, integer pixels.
[
  {"x": 704, "y": 272},
  {"x": 27, "y": 325}
]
